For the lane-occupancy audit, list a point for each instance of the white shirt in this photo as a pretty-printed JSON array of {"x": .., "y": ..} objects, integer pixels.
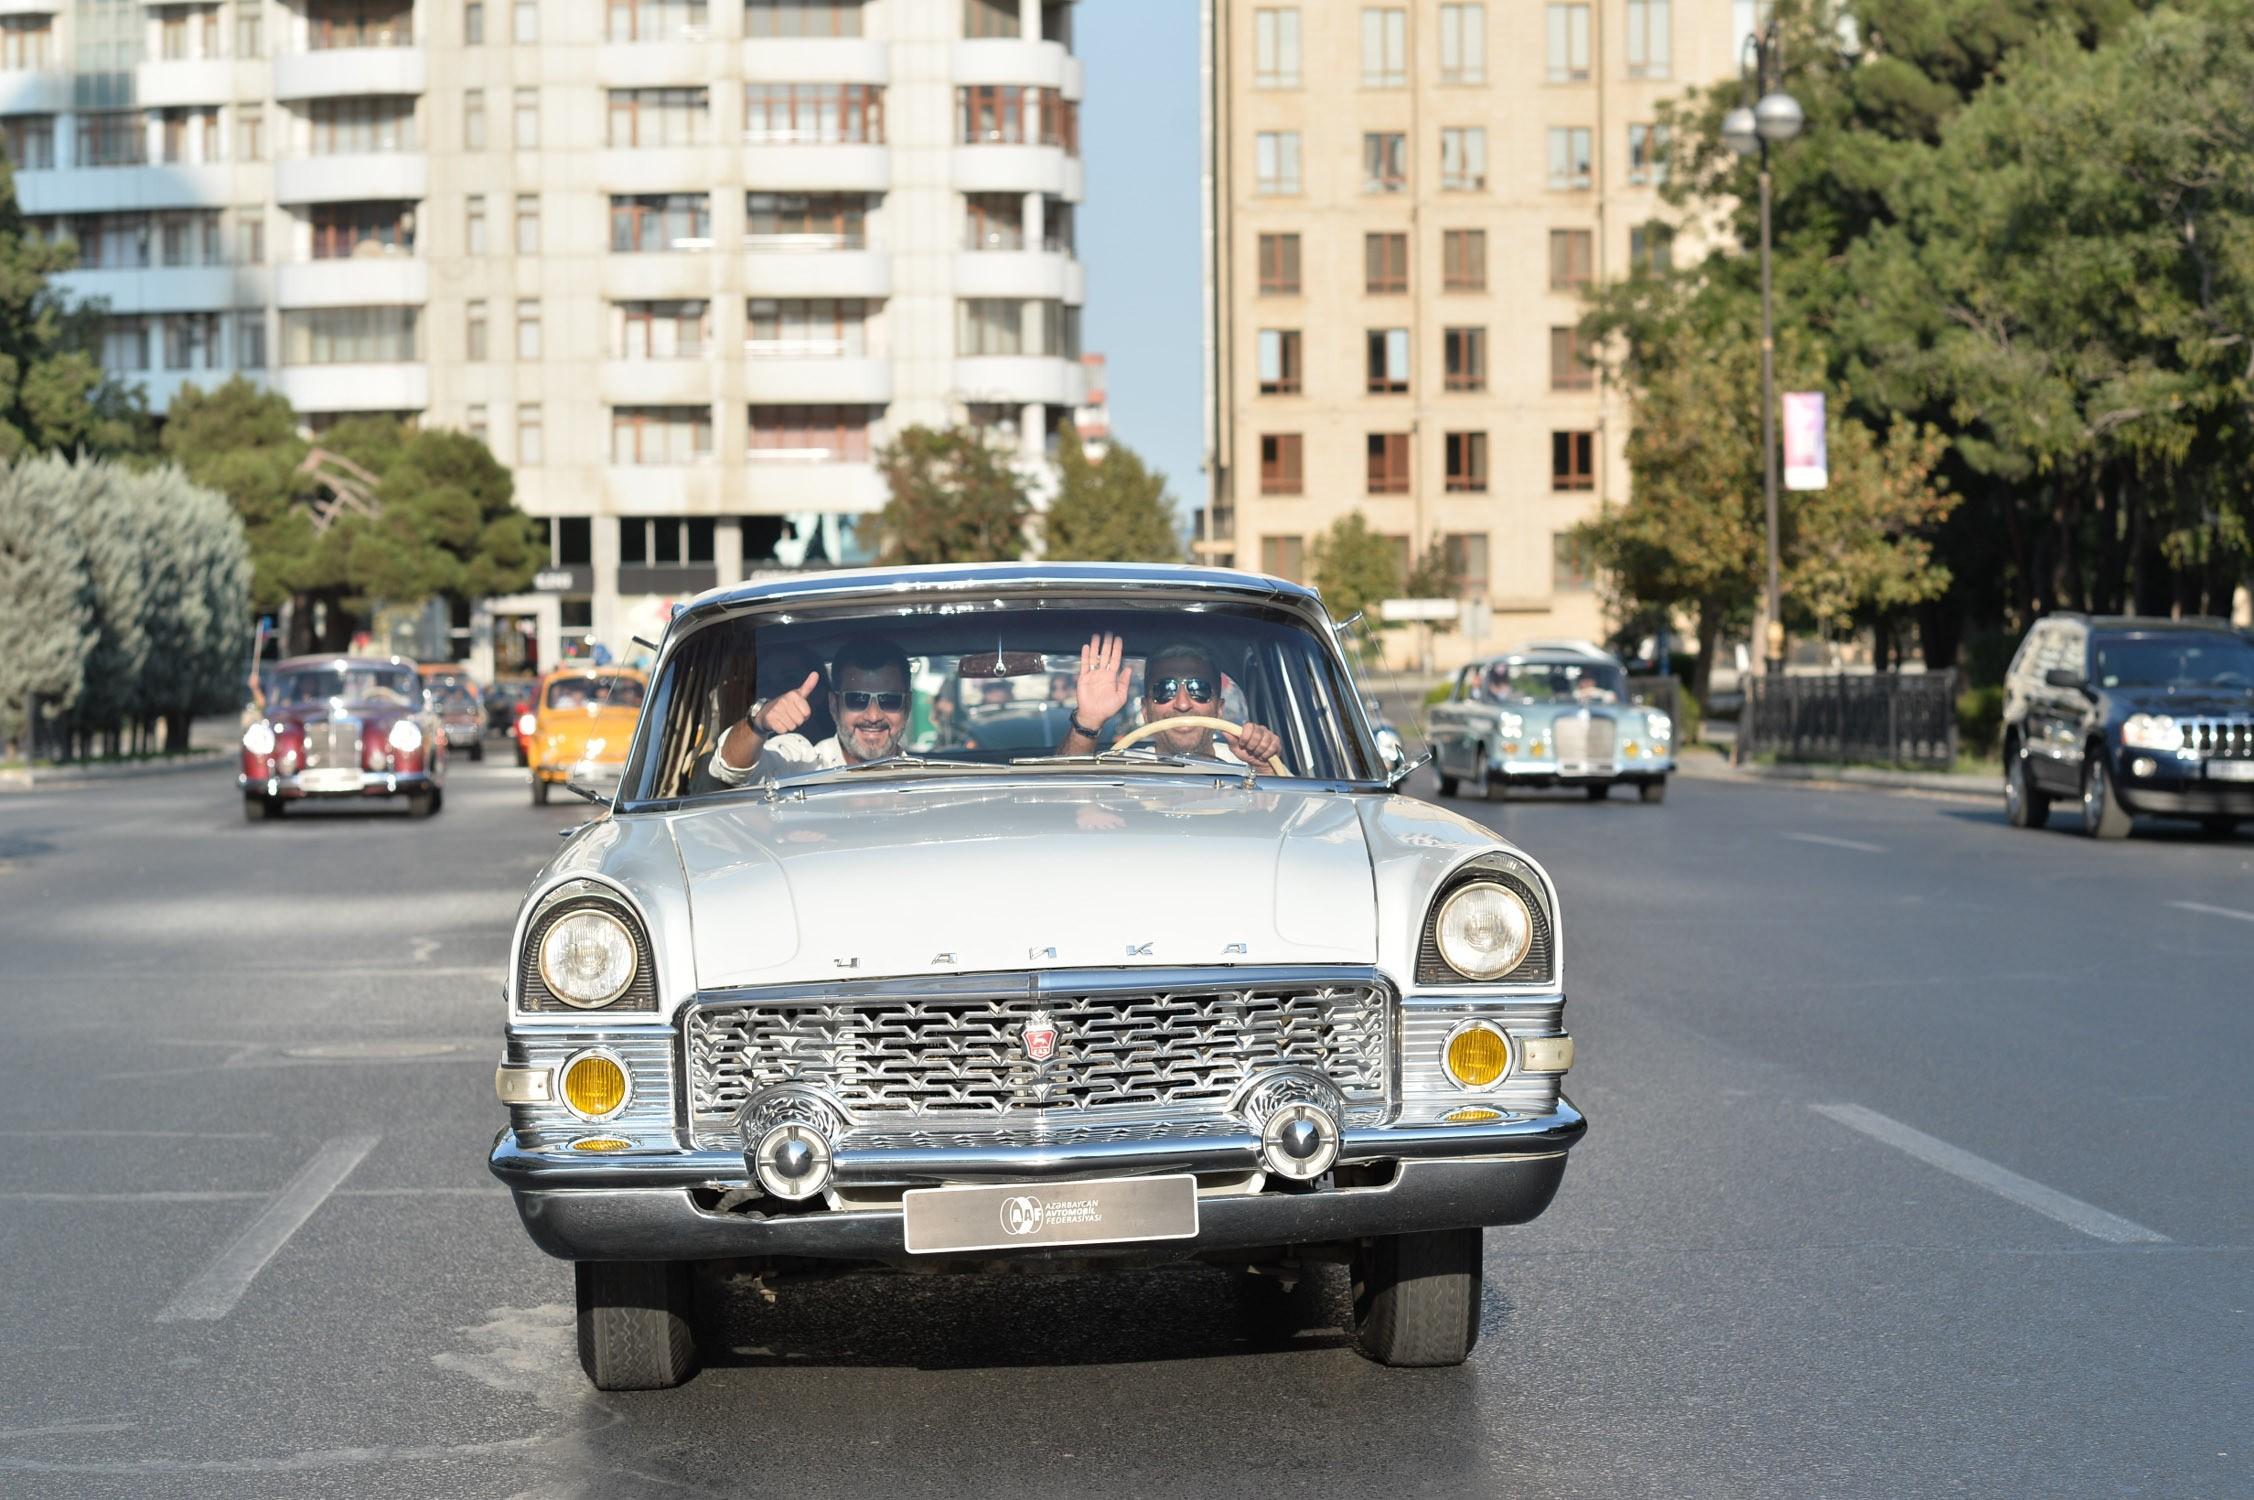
[{"x": 784, "y": 755}]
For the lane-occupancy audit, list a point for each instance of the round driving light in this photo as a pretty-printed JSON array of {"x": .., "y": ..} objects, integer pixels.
[
  {"x": 586, "y": 959},
  {"x": 1299, "y": 1142},
  {"x": 1484, "y": 930},
  {"x": 594, "y": 1086},
  {"x": 2143, "y": 765},
  {"x": 793, "y": 1161},
  {"x": 259, "y": 739},
  {"x": 1477, "y": 1055},
  {"x": 601, "y": 1143}
]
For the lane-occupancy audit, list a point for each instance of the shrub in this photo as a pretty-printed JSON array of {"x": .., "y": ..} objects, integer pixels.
[
  {"x": 1439, "y": 691},
  {"x": 1980, "y": 720}
]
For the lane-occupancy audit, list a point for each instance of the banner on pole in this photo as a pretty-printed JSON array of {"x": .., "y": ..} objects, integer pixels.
[{"x": 1805, "y": 466}]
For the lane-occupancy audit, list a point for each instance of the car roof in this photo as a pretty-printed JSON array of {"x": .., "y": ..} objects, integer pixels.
[
  {"x": 846, "y": 583},
  {"x": 2205, "y": 624},
  {"x": 589, "y": 669},
  {"x": 342, "y": 659}
]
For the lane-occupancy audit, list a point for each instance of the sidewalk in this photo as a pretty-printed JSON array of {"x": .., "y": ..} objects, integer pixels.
[
  {"x": 1706, "y": 762},
  {"x": 210, "y": 741}
]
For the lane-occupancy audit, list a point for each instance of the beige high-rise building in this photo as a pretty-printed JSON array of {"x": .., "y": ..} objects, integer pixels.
[
  {"x": 1404, "y": 202},
  {"x": 683, "y": 264}
]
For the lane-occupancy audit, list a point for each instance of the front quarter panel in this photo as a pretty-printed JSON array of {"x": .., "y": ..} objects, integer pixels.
[
  {"x": 1413, "y": 847},
  {"x": 634, "y": 856}
]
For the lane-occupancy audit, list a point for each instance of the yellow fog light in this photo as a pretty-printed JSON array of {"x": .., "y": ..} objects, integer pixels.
[
  {"x": 594, "y": 1085},
  {"x": 601, "y": 1143},
  {"x": 1477, "y": 1055},
  {"x": 1631, "y": 749}
]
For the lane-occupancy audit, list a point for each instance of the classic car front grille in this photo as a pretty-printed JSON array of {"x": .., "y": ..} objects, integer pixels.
[
  {"x": 890, "y": 1059},
  {"x": 2220, "y": 739},
  {"x": 335, "y": 743},
  {"x": 1585, "y": 738}
]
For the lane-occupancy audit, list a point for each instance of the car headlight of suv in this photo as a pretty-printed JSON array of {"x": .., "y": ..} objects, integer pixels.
[
  {"x": 1483, "y": 930},
  {"x": 2152, "y": 732},
  {"x": 587, "y": 958},
  {"x": 406, "y": 735}
]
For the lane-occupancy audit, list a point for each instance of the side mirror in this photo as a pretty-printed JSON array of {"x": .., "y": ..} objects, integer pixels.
[{"x": 2063, "y": 677}]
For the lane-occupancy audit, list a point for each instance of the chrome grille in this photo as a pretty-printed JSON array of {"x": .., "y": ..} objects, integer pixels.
[
  {"x": 1584, "y": 739},
  {"x": 2220, "y": 739},
  {"x": 335, "y": 743},
  {"x": 894, "y": 1058}
]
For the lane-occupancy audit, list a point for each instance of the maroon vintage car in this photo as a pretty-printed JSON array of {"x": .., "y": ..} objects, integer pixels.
[{"x": 344, "y": 726}]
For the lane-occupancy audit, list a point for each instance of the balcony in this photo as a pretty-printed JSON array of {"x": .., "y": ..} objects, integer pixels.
[
  {"x": 202, "y": 80},
  {"x": 1053, "y": 275},
  {"x": 659, "y": 277},
  {"x": 1005, "y": 60},
  {"x": 369, "y": 175},
  {"x": 844, "y": 59},
  {"x": 993, "y": 168},
  {"x": 665, "y": 489},
  {"x": 657, "y": 382},
  {"x": 82, "y": 190},
  {"x": 780, "y": 168},
  {"x": 386, "y": 387},
  {"x": 343, "y": 72},
  {"x": 783, "y": 373},
  {"x": 660, "y": 169},
  {"x": 1020, "y": 379},
  {"x": 777, "y": 484},
  {"x": 144, "y": 289},
  {"x": 646, "y": 65},
  {"x": 353, "y": 281},
  {"x": 798, "y": 266},
  {"x": 29, "y": 91},
  {"x": 31, "y": 7}
]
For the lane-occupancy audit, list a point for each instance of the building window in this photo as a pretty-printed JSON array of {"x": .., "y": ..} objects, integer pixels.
[
  {"x": 1276, "y": 163},
  {"x": 350, "y": 336},
  {"x": 531, "y": 440},
  {"x": 1572, "y": 259},
  {"x": 821, "y": 434},
  {"x": 117, "y": 139},
  {"x": 1385, "y": 264},
  {"x": 125, "y": 345},
  {"x": 1651, "y": 247},
  {"x": 1386, "y": 361},
  {"x": 29, "y": 141},
  {"x": 473, "y": 23},
  {"x": 477, "y": 425},
  {"x": 524, "y": 22},
  {"x": 1569, "y": 157},
  {"x": 1463, "y": 159},
  {"x": 658, "y": 117},
  {"x": 1385, "y": 48},
  {"x": 1573, "y": 460},
  {"x": 528, "y": 330},
  {"x": 993, "y": 221},
  {"x": 1570, "y": 369},
  {"x": 991, "y": 18},
  {"x": 172, "y": 35},
  {"x": 1464, "y": 356},
  {"x": 473, "y": 119},
  {"x": 525, "y": 131},
  {"x": 661, "y": 330},
  {"x": 1284, "y": 557},
  {"x": 660, "y": 435},
  {"x": 1571, "y": 569},
  {"x": 341, "y": 230},
  {"x": 1464, "y": 555},
  {"x": 1568, "y": 47},
  {"x": 473, "y": 330},
  {"x": 989, "y": 325},
  {"x": 250, "y": 341},
  {"x": 359, "y": 23},
  {"x": 1059, "y": 226},
  {"x": 1463, "y": 44},
  {"x": 1279, "y": 361},
  {"x": 1275, "y": 49},
  {"x": 250, "y": 33},
  {"x": 1388, "y": 463},
  {"x": 656, "y": 223},
  {"x": 1281, "y": 464},
  {"x": 26, "y": 41},
  {"x": 661, "y": 20},
  {"x": 473, "y": 224},
  {"x": 806, "y": 221},
  {"x": 1463, "y": 260},
  {"x": 528, "y": 224},
  {"x": 1467, "y": 462},
  {"x": 1008, "y": 114},
  {"x": 1279, "y": 265},
  {"x": 1647, "y": 154},
  {"x": 1647, "y": 39},
  {"x": 806, "y": 328},
  {"x": 811, "y": 114},
  {"x": 1385, "y": 162},
  {"x": 797, "y": 17},
  {"x": 250, "y": 236},
  {"x": 191, "y": 341}
]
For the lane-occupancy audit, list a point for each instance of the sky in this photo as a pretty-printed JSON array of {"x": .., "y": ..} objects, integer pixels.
[{"x": 1139, "y": 228}]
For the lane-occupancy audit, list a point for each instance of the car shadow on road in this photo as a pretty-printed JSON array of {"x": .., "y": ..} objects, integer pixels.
[{"x": 2063, "y": 826}]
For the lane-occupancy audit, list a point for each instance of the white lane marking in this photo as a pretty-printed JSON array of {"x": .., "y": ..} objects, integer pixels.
[
  {"x": 221, "y": 1284},
  {"x": 2213, "y": 911},
  {"x": 1821, "y": 838},
  {"x": 2002, "y": 1181}
]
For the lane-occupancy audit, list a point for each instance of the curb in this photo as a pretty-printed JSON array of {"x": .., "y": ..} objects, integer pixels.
[
  {"x": 1855, "y": 776},
  {"x": 56, "y": 777}
]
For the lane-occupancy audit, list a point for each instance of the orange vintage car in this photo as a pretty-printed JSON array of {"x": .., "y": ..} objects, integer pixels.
[{"x": 583, "y": 720}]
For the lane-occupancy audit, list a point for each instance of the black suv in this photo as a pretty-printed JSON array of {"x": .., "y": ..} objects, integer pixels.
[{"x": 2125, "y": 716}]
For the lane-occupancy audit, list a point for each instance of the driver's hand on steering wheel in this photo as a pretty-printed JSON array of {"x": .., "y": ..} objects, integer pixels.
[{"x": 1255, "y": 744}]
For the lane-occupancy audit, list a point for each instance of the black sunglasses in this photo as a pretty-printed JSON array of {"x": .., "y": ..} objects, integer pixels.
[
  {"x": 1163, "y": 689},
  {"x": 855, "y": 700}
]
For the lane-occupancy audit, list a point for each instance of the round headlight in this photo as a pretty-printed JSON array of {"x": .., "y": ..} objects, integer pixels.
[
  {"x": 1661, "y": 727},
  {"x": 406, "y": 735},
  {"x": 1484, "y": 930},
  {"x": 259, "y": 739},
  {"x": 587, "y": 959}
]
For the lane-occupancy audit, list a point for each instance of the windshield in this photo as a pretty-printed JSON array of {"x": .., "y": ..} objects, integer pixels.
[
  {"x": 457, "y": 695},
  {"x": 2176, "y": 659},
  {"x": 998, "y": 683},
  {"x": 580, "y": 692},
  {"x": 1552, "y": 682},
  {"x": 395, "y": 685}
]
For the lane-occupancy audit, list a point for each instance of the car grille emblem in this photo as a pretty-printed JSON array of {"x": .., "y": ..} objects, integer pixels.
[{"x": 1040, "y": 1037}]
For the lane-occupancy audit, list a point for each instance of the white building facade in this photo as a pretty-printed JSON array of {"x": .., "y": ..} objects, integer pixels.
[{"x": 683, "y": 264}]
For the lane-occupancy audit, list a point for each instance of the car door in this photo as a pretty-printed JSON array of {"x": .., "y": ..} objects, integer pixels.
[{"x": 1450, "y": 725}]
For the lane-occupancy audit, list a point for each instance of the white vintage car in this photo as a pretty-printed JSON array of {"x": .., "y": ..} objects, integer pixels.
[
  {"x": 1551, "y": 713},
  {"x": 827, "y": 985}
]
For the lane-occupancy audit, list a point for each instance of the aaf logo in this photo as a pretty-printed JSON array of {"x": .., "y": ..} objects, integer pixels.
[
  {"x": 1023, "y": 1215},
  {"x": 1040, "y": 1037}
]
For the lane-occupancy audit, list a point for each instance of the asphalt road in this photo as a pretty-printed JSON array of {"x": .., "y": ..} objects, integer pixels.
[{"x": 1920, "y": 1165}]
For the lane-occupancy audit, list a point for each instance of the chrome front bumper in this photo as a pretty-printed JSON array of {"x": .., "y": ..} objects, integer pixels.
[
  {"x": 371, "y": 784},
  {"x": 655, "y": 1205},
  {"x": 1550, "y": 772}
]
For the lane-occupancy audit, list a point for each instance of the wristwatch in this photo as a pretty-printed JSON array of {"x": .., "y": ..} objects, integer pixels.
[{"x": 751, "y": 716}]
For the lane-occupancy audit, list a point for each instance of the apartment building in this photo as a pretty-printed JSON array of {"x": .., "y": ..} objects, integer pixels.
[
  {"x": 683, "y": 264},
  {"x": 1405, "y": 204}
]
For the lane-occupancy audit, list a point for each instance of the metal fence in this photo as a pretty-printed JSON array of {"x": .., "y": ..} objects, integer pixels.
[
  {"x": 1888, "y": 717},
  {"x": 1662, "y": 693}
]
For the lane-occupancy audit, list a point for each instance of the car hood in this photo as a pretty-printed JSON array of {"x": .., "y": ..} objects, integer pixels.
[
  {"x": 2181, "y": 702},
  {"x": 946, "y": 877}
]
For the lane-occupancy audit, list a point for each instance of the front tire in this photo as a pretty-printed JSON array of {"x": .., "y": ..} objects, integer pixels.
[
  {"x": 2218, "y": 828},
  {"x": 421, "y": 804},
  {"x": 477, "y": 750},
  {"x": 261, "y": 809},
  {"x": 637, "y": 1327},
  {"x": 2024, "y": 806},
  {"x": 1416, "y": 1297},
  {"x": 1653, "y": 791},
  {"x": 539, "y": 792},
  {"x": 2103, "y": 816},
  {"x": 1448, "y": 784}
]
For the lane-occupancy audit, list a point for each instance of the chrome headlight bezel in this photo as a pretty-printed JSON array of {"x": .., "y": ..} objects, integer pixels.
[
  {"x": 593, "y": 998},
  {"x": 1539, "y": 968},
  {"x": 1511, "y": 909}
]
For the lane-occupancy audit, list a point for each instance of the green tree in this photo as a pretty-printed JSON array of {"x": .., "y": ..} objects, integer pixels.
[
  {"x": 1112, "y": 510},
  {"x": 46, "y": 598},
  {"x": 954, "y": 498},
  {"x": 53, "y": 393},
  {"x": 243, "y": 442},
  {"x": 1353, "y": 568}
]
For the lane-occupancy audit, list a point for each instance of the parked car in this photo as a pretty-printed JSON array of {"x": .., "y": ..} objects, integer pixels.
[
  {"x": 2123, "y": 715},
  {"x": 846, "y": 1005},
  {"x": 583, "y": 719},
  {"x": 1552, "y": 713},
  {"x": 343, "y": 727},
  {"x": 461, "y": 708}
]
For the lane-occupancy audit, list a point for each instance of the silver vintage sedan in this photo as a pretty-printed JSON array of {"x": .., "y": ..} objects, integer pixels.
[
  {"x": 1552, "y": 713},
  {"x": 828, "y": 985}
]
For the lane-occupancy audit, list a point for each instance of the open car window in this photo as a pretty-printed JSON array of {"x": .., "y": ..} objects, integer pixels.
[{"x": 992, "y": 684}]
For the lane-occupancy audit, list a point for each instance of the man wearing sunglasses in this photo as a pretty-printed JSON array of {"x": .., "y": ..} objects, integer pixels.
[
  {"x": 869, "y": 701},
  {"x": 1181, "y": 680}
]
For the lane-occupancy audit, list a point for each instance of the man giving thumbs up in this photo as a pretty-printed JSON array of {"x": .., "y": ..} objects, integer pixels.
[{"x": 868, "y": 699}]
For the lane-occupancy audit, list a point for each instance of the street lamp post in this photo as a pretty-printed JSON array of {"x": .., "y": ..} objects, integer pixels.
[{"x": 1774, "y": 116}]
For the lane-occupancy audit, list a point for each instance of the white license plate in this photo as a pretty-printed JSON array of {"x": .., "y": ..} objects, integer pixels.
[
  {"x": 1020, "y": 1215},
  {"x": 2230, "y": 770},
  {"x": 330, "y": 779}
]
